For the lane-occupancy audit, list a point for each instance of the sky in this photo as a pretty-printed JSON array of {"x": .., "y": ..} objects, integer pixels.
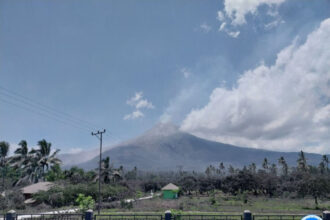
[{"x": 253, "y": 73}]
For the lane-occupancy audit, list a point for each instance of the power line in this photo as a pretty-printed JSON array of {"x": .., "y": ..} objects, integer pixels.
[
  {"x": 42, "y": 114},
  {"x": 36, "y": 107},
  {"x": 40, "y": 106}
]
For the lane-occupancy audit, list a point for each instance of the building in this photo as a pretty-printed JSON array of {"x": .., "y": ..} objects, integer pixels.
[
  {"x": 30, "y": 190},
  {"x": 170, "y": 191}
]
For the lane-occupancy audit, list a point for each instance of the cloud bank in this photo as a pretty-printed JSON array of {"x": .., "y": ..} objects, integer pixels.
[{"x": 285, "y": 106}]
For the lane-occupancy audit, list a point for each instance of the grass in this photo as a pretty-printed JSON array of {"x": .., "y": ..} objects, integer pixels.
[{"x": 225, "y": 204}]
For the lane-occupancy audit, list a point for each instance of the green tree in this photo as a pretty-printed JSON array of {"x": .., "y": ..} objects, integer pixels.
[
  {"x": 325, "y": 160},
  {"x": 302, "y": 162},
  {"x": 4, "y": 149},
  {"x": 284, "y": 166},
  {"x": 46, "y": 159},
  {"x": 55, "y": 173},
  {"x": 21, "y": 157},
  {"x": 265, "y": 164},
  {"x": 85, "y": 202},
  {"x": 38, "y": 162},
  {"x": 106, "y": 170},
  {"x": 252, "y": 168}
]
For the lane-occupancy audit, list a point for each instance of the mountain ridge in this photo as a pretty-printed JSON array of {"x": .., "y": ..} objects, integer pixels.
[{"x": 165, "y": 147}]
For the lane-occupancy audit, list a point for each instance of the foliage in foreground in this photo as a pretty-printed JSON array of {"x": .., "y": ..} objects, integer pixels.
[
  {"x": 85, "y": 202},
  {"x": 67, "y": 196}
]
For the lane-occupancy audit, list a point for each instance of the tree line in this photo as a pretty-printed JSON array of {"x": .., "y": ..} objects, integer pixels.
[{"x": 28, "y": 166}]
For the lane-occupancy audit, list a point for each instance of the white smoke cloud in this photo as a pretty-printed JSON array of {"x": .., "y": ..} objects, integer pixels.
[{"x": 285, "y": 106}]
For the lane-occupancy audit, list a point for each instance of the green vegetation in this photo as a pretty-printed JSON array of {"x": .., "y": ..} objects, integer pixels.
[
  {"x": 85, "y": 202},
  {"x": 268, "y": 188},
  {"x": 226, "y": 204}
]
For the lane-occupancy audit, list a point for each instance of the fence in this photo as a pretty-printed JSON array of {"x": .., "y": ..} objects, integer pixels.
[
  {"x": 58, "y": 216},
  {"x": 208, "y": 217},
  {"x": 127, "y": 217},
  {"x": 279, "y": 217},
  {"x": 247, "y": 215}
]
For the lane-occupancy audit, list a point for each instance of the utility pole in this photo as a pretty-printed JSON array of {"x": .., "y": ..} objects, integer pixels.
[{"x": 98, "y": 134}]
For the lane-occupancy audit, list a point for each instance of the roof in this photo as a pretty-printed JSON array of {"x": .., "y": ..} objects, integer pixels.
[
  {"x": 34, "y": 188},
  {"x": 170, "y": 186}
]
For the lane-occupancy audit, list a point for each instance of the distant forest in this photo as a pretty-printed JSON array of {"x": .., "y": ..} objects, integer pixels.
[{"x": 261, "y": 178}]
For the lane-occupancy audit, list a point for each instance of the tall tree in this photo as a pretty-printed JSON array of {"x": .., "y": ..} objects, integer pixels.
[
  {"x": 253, "y": 168},
  {"x": 21, "y": 156},
  {"x": 45, "y": 158},
  {"x": 37, "y": 162},
  {"x": 4, "y": 149},
  {"x": 325, "y": 160},
  {"x": 302, "y": 162},
  {"x": 107, "y": 171},
  {"x": 265, "y": 164},
  {"x": 284, "y": 166}
]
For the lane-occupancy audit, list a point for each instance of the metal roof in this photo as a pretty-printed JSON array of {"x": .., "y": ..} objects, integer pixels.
[
  {"x": 34, "y": 188},
  {"x": 170, "y": 186}
]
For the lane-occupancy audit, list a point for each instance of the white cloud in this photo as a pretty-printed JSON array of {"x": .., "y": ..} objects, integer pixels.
[
  {"x": 186, "y": 72},
  {"x": 144, "y": 104},
  {"x": 74, "y": 150},
  {"x": 137, "y": 96},
  {"x": 205, "y": 27},
  {"x": 222, "y": 26},
  {"x": 221, "y": 16},
  {"x": 273, "y": 24},
  {"x": 233, "y": 34},
  {"x": 234, "y": 13},
  {"x": 285, "y": 106},
  {"x": 138, "y": 102},
  {"x": 134, "y": 115},
  {"x": 236, "y": 10}
]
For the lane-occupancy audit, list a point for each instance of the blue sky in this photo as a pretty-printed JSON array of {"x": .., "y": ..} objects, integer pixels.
[{"x": 89, "y": 59}]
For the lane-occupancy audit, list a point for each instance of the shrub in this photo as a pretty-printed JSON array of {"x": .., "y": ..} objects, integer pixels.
[
  {"x": 64, "y": 196},
  {"x": 16, "y": 199},
  {"x": 85, "y": 202},
  {"x": 126, "y": 205}
]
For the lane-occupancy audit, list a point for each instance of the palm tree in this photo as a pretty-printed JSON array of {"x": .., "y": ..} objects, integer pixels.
[
  {"x": 37, "y": 161},
  {"x": 106, "y": 170},
  {"x": 4, "y": 149},
  {"x": 21, "y": 156},
  {"x": 108, "y": 173},
  {"x": 44, "y": 156}
]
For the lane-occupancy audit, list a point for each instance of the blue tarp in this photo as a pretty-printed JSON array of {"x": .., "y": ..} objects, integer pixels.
[{"x": 311, "y": 217}]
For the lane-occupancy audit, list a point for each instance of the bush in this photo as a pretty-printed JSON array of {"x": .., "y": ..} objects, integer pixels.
[
  {"x": 16, "y": 199},
  {"x": 3, "y": 203},
  {"x": 65, "y": 196},
  {"x": 54, "y": 197},
  {"x": 85, "y": 202},
  {"x": 126, "y": 205}
]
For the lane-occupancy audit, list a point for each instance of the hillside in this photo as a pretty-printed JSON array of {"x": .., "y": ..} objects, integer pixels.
[{"x": 164, "y": 147}]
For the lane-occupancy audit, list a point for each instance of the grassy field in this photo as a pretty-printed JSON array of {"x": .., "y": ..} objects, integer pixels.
[{"x": 227, "y": 204}]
